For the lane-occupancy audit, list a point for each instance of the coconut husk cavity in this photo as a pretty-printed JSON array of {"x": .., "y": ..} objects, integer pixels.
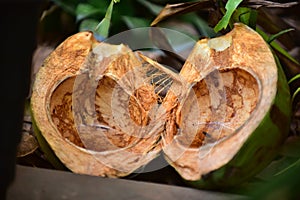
[
  {"x": 91, "y": 109},
  {"x": 234, "y": 115},
  {"x": 107, "y": 111}
]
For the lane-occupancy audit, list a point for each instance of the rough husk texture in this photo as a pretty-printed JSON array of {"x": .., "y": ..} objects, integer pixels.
[
  {"x": 221, "y": 121},
  {"x": 252, "y": 94},
  {"x": 67, "y": 74}
]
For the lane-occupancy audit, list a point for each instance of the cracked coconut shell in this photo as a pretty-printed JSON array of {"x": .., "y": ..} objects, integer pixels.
[
  {"x": 234, "y": 114},
  {"x": 91, "y": 116},
  {"x": 220, "y": 121}
]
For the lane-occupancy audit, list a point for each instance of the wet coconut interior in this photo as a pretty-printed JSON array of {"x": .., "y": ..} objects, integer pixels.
[
  {"x": 200, "y": 123},
  {"x": 136, "y": 108}
]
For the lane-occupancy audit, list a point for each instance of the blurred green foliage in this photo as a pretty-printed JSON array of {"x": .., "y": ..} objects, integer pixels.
[{"x": 126, "y": 14}]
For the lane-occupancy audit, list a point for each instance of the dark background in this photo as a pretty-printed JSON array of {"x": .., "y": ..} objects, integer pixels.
[{"x": 18, "y": 28}]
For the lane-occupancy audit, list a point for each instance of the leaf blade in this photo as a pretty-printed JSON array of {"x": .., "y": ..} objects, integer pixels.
[
  {"x": 275, "y": 36},
  {"x": 153, "y": 8},
  {"x": 84, "y": 10},
  {"x": 171, "y": 10},
  {"x": 135, "y": 22},
  {"x": 231, "y": 6},
  {"x": 277, "y": 47},
  {"x": 102, "y": 28}
]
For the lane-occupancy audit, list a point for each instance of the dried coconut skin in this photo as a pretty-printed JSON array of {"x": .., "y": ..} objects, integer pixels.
[
  {"x": 256, "y": 138},
  {"x": 233, "y": 79},
  {"x": 53, "y": 109},
  {"x": 259, "y": 149}
]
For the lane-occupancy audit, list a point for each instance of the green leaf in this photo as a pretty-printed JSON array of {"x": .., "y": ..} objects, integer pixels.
[
  {"x": 84, "y": 10},
  {"x": 275, "y": 36},
  {"x": 277, "y": 47},
  {"x": 98, "y": 4},
  {"x": 48, "y": 152},
  {"x": 289, "y": 156},
  {"x": 246, "y": 15},
  {"x": 294, "y": 164},
  {"x": 200, "y": 24},
  {"x": 291, "y": 147},
  {"x": 153, "y": 8},
  {"x": 102, "y": 28},
  {"x": 135, "y": 22},
  {"x": 172, "y": 10},
  {"x": 231, "y": 5},
  {"x": 67, "y": 5},
  {"x": 295, "y": 94},
  {"x": 282, "y": 186},
  {"x": 88, "y": 25},
  {"x": 294, "y": 78},
  {"x": 276, "y": 167}
]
